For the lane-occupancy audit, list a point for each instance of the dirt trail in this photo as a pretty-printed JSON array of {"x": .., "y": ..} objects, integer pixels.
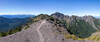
[{"x": 39, "y": 32}]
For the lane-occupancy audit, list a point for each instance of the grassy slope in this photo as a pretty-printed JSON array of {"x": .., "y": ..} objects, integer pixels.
[{"x": 81, "y": 29}]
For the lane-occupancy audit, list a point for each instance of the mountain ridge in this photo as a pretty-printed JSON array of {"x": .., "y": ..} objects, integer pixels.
[{"x": 58, "y": 28}]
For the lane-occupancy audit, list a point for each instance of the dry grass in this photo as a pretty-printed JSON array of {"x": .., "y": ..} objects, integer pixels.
[{"x": 95, "y": 37}]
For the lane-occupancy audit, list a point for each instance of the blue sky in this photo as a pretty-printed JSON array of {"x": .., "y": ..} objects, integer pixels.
[{"x": 35, "y": 7}]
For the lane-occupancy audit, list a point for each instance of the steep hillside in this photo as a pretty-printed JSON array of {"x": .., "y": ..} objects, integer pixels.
[
  {"x": 80, "y": 26},
  {"x": 7, "y": 23},
  {"x": 56, "y": 28},
  {"x": 41, "y": 31}
]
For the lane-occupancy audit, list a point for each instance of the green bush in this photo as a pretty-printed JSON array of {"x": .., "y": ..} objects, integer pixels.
[
  {"x": 12, "y": 31},
  {"x": 2, "y": 34}
]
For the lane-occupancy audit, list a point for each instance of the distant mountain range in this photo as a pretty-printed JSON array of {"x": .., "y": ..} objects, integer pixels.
[
  {"x": 97, "y": 16},
  {"x": 16, "y": 16},
  {"x": 8, "y": 22}
]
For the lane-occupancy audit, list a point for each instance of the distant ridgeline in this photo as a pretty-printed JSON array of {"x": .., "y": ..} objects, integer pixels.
[
  {"x": 16, "y": 16},
  {"x": 8, "y": 22}
]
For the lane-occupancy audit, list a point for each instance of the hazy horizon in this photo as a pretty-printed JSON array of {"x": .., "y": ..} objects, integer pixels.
[{"x": 35, "y": 7}]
